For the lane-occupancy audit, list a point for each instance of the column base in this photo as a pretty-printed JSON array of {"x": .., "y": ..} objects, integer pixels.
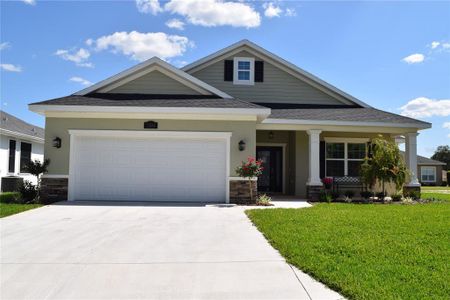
[
  {"x": 313, "y": 192},
  {"x": 412, "y": 191},
  {"x": 240, "y": 192},
  {"x": 53, "y": 190}
]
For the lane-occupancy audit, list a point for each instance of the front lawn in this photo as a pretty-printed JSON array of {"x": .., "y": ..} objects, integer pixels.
[
  {"x": 366, "y": 251},
  {"x": 7, "y": 209},
  {"x": 435, "y": 195},
  {"x": 434, "y": 188}
]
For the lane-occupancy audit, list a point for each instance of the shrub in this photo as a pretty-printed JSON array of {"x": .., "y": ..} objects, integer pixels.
[
  {"x": 366, "y": 194},
  {"x": 334, "y": 195},
  {"x": 325, "y": 197},
  {"x": 264, "y": 200},
  {"x": 251, "y": 168},
  {"x": 381, "y": 195},
  {"x": 10, "y": 197},
  {"x": 349, "y": 194},
  {"x": 396, "y": 197},
  {"x": 28, "y": 192},
  {"x": 412, "y": 194}
]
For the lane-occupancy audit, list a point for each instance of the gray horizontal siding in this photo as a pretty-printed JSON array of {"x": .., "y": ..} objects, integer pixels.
[
  {"x": 154, "y": 83},
  {"x": 278, "y": 86}
]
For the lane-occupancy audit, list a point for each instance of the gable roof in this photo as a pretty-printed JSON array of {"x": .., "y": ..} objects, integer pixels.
[
  {"x": 425, "y": 161},
  {"x": 15, "y": 126},
  {"x": 278, "y": 61},
  {"x": 147, "y": 66}
]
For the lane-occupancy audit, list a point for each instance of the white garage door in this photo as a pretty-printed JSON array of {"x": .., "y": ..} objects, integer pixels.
[{"x": 148, "y": 166}]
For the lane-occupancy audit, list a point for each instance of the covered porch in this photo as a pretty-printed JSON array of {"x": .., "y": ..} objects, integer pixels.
[{"x": 298, "y": 156}]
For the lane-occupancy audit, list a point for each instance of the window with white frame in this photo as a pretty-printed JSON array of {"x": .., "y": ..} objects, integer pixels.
[
  {"x": 428, "y": 174},
  {"x": 244, "y": 69},
  {"x": 344, "y": 158}
]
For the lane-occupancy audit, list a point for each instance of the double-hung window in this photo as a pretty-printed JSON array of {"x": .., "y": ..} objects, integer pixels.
[
  {"x": 344, "y": 158},
  {"x": 12, "y": 156},
  {"x": 428, "y": 174},
  {"x": 244, "y": 69}
]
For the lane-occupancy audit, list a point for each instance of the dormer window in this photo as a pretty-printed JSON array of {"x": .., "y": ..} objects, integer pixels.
[{"x": 244, "y": 70}]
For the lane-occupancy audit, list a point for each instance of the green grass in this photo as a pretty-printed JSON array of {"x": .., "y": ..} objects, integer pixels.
[
  {"x": 434, "y": 188},
  {"x": 438, "y": 196},
  {"x": 7, "y": 209},
  {"x": 366, "y": 251}
]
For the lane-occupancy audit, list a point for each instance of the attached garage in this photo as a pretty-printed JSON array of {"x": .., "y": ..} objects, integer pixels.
[{"x": 149, "y": 166}]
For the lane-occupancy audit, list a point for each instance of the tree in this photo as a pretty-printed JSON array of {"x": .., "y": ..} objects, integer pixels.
[
  {"x": 250, "y": 169},
  {"x": 442, "y": 154},
  {"x": 36, "y": 168},
  {"x": 385, "y": 165}
]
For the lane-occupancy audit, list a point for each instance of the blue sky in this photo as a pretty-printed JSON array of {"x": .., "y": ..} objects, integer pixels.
[{"x": 388, "y": 54}]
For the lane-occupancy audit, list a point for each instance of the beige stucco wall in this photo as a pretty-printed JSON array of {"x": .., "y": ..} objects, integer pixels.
[{"x": 58, "y": 127}]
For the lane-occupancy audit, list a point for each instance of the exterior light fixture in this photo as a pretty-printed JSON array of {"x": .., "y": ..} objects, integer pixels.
[
  {"x": 56, "y": 142},
  {"x": 241, "y": 145}
]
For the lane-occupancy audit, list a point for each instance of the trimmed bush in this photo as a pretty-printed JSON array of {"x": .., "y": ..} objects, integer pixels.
[
  {"x": 10, "y": 197},
  {"x": 28, "y": 192},
  {"x": 349, "y": 194}
]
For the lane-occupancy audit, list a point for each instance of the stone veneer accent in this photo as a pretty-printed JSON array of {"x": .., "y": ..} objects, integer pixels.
[
  {"x": 53, "y": 189},
  {"x": 409, "y": 189},
  {"x": 313, "y": 192},
  {"x": 240, "y": 192}
]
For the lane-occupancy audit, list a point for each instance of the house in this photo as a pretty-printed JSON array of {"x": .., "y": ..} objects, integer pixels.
[
  {"x": 155, "y": 132},
  {"x": 20, "y": 142},
  {"x": 430, "y": 171}
]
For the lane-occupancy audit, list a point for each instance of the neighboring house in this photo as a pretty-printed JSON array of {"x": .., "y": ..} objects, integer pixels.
[
  {"x": 429, "y": 171},
  {"x": 20, "y": 142},
  {"x": 158, "y": 133}
]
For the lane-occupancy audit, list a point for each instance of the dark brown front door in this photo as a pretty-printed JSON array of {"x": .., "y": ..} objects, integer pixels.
[{"x": 271, "y": 177}]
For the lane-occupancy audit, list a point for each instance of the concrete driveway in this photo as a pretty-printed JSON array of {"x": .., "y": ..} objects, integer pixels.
[{"x": 88, "y": 251}]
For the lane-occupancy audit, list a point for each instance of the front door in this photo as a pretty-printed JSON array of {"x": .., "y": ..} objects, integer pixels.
[{"x": 271, "y": 178}]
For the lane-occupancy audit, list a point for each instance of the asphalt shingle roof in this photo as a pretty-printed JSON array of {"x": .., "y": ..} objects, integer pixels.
[
  {"x": 422, "y": 160},
  {"x": 355, "y": 114},
  {"x": 11, "y": 123},
  {"x": 150, "y": 101}
]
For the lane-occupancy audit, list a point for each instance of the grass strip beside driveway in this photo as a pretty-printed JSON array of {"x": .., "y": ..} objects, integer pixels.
[
  {"x": 366, "y": 251},
  {"x": 7, "y": 209}
]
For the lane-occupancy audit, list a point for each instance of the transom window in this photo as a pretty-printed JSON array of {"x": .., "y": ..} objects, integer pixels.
[
  {"x": 428, "y": 174},
  {"x": 344, "y": 158},
  {"x": 244, "y": 70}
]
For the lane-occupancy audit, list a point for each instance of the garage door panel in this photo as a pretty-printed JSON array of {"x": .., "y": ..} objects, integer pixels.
[{"x": 149, "y": 169}]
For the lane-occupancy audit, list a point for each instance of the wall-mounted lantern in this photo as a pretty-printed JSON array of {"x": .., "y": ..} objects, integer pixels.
[
  {"x": 241, "y": 145},
  {"x": 271, "y": 135},
  {"x": 56, "y": 142}
]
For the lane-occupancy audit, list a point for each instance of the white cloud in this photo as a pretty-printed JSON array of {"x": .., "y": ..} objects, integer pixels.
[
  {"x": 80, "y": 57},
  {"x": 290, "y": 12},
  {"x": 11, "y": 68},
  {"x": 175, "y": 23},
  {"x": 423, "y": 107},
  {"x": 212, "y": 13},
  {"x": 271, "y": 10},
  {"x": 446, "y": 45},
  {"x": 141, "y": 46},
  {"x": 4, "y": 45},
  {"x": 434, "y": 45},
  {"x": 80, "y": 80},
  {"x": 414, "y": 58},
  {"x": 446, "y": 125},
  {"x": 148, "y": 6},
  {"x": 30, "y": 2}
]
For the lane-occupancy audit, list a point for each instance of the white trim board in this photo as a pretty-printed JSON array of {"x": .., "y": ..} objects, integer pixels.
[
  {"x": 192, "y": 135},
  {"x": 154, "y": 61},
  {"x": 276, "y": 60},
  {"x": 21, "y": 136}
]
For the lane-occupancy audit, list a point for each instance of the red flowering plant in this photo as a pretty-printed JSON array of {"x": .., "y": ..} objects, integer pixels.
[
  {"x": 327, "y": 181},
  {"x": 250, "y": 169}
]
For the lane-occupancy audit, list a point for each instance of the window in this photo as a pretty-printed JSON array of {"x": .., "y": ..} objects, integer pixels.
[
  {"x": 428, "y": 174},
  {"x": 12, "y": 156},
  {"x": 344, "y": 158},
  {"x": 244, "y": 70},
  {"x": 25, "y": 156}
]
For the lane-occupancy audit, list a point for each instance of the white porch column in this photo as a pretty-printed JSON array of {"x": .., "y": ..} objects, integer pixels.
[
  {"x": 314, "y": 158},
  {"x": 411, "y": 157}
]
